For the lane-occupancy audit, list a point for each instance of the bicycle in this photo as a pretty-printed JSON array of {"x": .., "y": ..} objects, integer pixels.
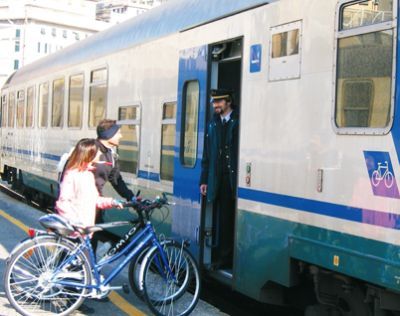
[
  {"x": 55, "y": 275},
  {"x": 382, "y": 173}
]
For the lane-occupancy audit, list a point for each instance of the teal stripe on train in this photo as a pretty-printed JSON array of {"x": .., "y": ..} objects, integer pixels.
[{"x": 266, "y": 245}]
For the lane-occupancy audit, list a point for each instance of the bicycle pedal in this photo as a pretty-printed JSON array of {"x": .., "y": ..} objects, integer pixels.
[{"x": 125, "y": 288}]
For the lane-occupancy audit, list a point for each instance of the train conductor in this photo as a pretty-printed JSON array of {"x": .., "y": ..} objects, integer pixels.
[{"x": 218, "y": 180}]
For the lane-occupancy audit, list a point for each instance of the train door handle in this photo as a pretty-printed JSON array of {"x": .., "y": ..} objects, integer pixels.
[{"x": 197, "y": 235}]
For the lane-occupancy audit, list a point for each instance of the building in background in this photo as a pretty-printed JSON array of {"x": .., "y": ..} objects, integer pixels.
[
  {"x": 117, "y": 11},
  {"x": 31, "y": 29}
]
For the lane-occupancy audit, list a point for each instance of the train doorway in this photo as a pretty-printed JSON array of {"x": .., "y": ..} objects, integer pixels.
[{"x": 219, "y": 231}]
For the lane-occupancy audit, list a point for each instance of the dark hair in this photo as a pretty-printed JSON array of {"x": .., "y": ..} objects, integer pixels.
[{"x": 84, "y": 152}]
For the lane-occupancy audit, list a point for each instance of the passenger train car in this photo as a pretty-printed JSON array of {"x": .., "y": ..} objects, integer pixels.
[{"x": 319, "y": 157}]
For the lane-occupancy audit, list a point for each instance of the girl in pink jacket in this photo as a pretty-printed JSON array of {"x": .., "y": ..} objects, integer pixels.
[{"x": 79, "y": 198}]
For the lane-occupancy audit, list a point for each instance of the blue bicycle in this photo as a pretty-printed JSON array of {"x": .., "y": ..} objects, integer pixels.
[{"x": 54, "y": 274}]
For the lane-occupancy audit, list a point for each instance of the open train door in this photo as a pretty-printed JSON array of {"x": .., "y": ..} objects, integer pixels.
[{"x": 191, "y": 111}]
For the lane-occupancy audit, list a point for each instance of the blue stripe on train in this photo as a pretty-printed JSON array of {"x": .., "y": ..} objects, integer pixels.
[
  {"x": 354, "y": 214},
  {"x": 149, "y": 175},
  {"x": 32, "y": 153}
]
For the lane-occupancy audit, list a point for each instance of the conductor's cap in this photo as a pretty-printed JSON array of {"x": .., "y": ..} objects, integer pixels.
[{"x": 218, "y": 94}]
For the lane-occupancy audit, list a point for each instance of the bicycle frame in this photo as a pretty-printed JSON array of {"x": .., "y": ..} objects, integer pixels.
[{"x": 139, "y": 242}]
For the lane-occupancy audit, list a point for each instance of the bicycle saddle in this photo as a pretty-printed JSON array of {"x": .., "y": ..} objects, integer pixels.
[{"x": 57, "y": 224}]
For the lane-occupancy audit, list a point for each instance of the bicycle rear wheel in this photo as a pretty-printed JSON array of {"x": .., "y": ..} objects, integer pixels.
[
  {"x": 33, "y": 275},
  {"x": 173, "y": 289}
]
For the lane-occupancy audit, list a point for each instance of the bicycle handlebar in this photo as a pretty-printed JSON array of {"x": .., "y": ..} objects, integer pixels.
[{"x": 146, "y": 205}]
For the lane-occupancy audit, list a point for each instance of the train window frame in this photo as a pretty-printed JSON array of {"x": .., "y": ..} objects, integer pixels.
[
  {"x": 19, "y": 121},
  {"x": 287, "y": 66},
  {"x": 40, "y": 112},
  {"x": 131, "y": 122},
  {"x": 4, "y": 110},
  {"x": 386, "y": 26},
  {"x": 33, "y": 107},
  {"x": 94, "y": 84},
  {"x": 183, "y": 125},
  {"x": 69, "y": 100},
  {"x": 167, "y": 121},
  {"x": 61, "y": 120},
  {"x": 11, "y": 118}
]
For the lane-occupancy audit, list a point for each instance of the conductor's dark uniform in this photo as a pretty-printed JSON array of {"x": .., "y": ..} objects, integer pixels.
[{"x": 219, "y": 172}]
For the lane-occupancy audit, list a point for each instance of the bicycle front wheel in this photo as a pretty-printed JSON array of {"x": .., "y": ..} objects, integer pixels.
[
  {"x": 170, "y": 280},
  {"x": 38, "y": 280}
]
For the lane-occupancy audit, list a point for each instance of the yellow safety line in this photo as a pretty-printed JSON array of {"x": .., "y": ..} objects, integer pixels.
[
  {"x": 115, "y": 298},
  {"x": 15, "y": 221}
]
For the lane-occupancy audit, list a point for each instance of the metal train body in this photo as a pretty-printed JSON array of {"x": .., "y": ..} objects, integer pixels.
[{"x": 317, "y": 173}]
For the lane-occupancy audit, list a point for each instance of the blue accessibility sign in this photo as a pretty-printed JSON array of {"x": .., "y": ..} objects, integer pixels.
[
  {"x": 381, "y": 175},
  {"x": 255, "y": 58}
]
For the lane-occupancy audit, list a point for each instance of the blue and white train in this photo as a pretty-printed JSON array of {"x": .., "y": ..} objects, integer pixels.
[{"x": 319, "y": 157}]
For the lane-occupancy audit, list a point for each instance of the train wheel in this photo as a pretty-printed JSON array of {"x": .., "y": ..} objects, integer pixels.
[{"x": 352, "y": 302}]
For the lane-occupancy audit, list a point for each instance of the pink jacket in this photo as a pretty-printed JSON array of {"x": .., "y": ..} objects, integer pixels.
[{"x": 79, "y": 198}]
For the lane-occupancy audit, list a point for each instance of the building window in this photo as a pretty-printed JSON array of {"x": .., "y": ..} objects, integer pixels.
[
  {"x": 43, "y": 104},
  {"x": 43, "y": 31},
  {"x": 45, "y": 48},
  {"x": 168, "y": 127},
  {"x": 75, "y": 105},
  {"x": 17, "y": 33},
  {"x": 65, "y": 33},
  {"x": 30, "y": 99},
  {"x": 128, "y": 149},
  {"x": 38, "y": 47},
  {"x": 53, "y": 32},
  {"x": 190, "y": 115},
  {"x": 20, "y": 108},
  {"x": 17, "y": 43},
  {"x": 58, "y": 102},
  {"x": 364, "y": 68},
  {"x": 98, "y": 96},
  {"x": 16, "y": 64},
  {"x": 4, "y": 110},
  {"x": 11, "y": 107}
]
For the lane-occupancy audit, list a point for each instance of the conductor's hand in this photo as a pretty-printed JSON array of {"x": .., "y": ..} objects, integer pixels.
[{"x": 203, "y": 189}]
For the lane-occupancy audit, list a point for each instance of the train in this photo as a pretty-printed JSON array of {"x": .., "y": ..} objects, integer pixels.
[{"x": 316, "y": 85}]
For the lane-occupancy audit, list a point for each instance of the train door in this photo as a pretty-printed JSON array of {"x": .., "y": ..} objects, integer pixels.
[
  {"x": 191, "y": 111},
  {"x": 225, "y": 73}
]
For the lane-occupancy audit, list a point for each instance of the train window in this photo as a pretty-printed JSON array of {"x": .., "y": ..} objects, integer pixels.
[
  {"x": 75, "y": 105},
  {"x": 285, "y": 51},
  {"x": 168, "y": 141},
  {"x": 20, "y": 108},
  {"x": 127, "y": 112},
  {"x": 43, "y": 104},
  {"x": 30, "y": 99},
  {"x": 11, "y": 107},
  {"x": 4, "y": 110},
  {"x": 366, "y": 13},
  {"x": 98, "y": 96},
  {"x": 364, "y": 71},
  {"x": 58, "y": 102},
  {"x": 190, "y": 115},
  {"x": 128, "y": 149}
]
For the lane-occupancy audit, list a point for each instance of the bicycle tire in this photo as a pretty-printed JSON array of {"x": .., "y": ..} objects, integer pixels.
[
  {"x": 29, "y": 278},
  {"x": 134, "y": 270},
  {"x": 175, "y": 293}
]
